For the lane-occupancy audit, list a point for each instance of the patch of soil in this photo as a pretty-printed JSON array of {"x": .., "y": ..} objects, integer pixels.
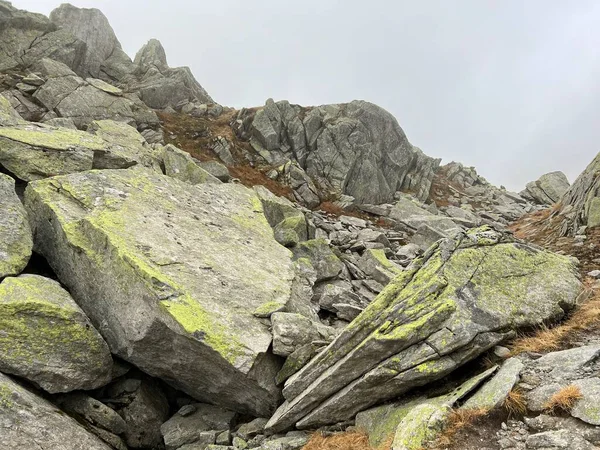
[{"x": 196, "y": 135}]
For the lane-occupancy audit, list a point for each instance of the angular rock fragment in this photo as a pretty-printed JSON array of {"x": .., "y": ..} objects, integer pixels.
[
  {"x": 170, "y": 274},
  {"x": 26, "y": 420},
  {"x": 16, "y": 242},
  {"x": 46, "y": 338},
  {"x": 200, "y": 427},
  {"x": 494, "y": 392},
  {"x": 464, "y": 296}
]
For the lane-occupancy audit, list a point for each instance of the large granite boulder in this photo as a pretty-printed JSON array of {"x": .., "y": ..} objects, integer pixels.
[
  {"x": 357, "y": 149},
  {"x": 170, "y": 274},
  {"x": 463, "y": 296},
  {"x": 581, "y": 203},
  {"x": 548, "y": 189},
  {"x": 29, "y": 422},
  {"x": 47, "y": 338},
  {"x": 16, "y": 243}
]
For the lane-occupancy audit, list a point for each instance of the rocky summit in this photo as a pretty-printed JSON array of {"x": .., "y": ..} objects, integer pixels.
[{"x": 180, "y": 275}]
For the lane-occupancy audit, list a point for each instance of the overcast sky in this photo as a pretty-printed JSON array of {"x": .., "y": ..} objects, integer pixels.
[{"x": 508, "y": 86}]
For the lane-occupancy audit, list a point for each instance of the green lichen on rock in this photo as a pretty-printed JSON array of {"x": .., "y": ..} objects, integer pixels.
[
  {"x": 463, "y": 296},
  {"x": 175, "y": 263},
  {"x": 16, "y": 242},
  {"x": 47, "y": 338},
  {"x": 179, "y": 164},
  {"x": 421, "y": 425},
  {"x": 38, "y": 135},
  {"x": 593, "y": 212},
  {"x": 266, "y": 309},
  {"x": 326, "y": 264}
]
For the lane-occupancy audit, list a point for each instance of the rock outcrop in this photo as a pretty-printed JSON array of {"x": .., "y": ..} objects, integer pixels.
[
  {"x": 462, "y": 297},
  {"x": 580, "y": 205},
  {"x": 357, "y": 149},
  {"x": 170, "y": 274},
  {"x": 548, "y": 189}
]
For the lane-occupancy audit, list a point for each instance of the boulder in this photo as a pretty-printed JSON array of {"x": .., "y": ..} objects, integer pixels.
[
  {"x": 179, "y": 164},
  {"x": 35, "y": 151},
  {"x": 92, "y": 411},
  {"x": 292, "y": 331},
  {"x": 548, "y": 189},
  {"x": 461, "y": 298},
  {"x": 46, "y": 338},
  {"x": 316, "y": 251},
  {"x": 495, "y": 391},
  {"x": 355, "y": 148},
  {"x": 408, "y": 212},
  {"x": 8, "y": 115},
  {"x": 170, "y": 274},
  {"x": 408, "y": 421},
  {"x": 17, "y": 242},
  {"x": 27, "y": 420},
  {"x": 201, "y": 426}
]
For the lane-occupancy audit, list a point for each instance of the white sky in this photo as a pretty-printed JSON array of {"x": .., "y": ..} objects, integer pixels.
[{"x": 509, "y": 86}]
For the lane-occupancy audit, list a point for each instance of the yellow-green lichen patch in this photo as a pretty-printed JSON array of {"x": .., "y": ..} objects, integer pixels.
[
  {"x": 52, "y": 138},
  {"x": 45, "y": 336}
]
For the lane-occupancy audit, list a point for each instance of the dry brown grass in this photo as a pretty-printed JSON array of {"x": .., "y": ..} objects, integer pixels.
[
  {"x": 515, "y": 403},
  {"x": 459, "y": 419},
  {"x": 564, "y": 400},
  {"x": 585, "y": 318},
  {"x": 351, "y": 440}
]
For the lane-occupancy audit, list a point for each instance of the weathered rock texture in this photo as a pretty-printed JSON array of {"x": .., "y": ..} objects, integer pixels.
[
  {"x": 47, "y": 338},
  {"x": 548, "y": 189},
  {"x": 356, "y": 148},
  {"x": 581, "y": 203},
  {"x": 28, "y": 422},
  {"x": 16, "y": 241},
  {"x": 461, "y": 298},
  {"x": 84, "y": 41},
  {"x": 170, "y": 274}
]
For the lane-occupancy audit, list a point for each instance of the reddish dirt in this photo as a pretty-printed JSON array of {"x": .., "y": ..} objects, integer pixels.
[{"x": 195, "y": 135}]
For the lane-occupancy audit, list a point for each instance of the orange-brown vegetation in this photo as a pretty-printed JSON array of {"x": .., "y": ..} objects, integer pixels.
[
  {"x": 351, "y": 440},
  {"x": 586, "y": 317},
  {"x": 515, "y": 403},
  {"x": 564, "y": 400},
  {"x": 459, "y": 420}
]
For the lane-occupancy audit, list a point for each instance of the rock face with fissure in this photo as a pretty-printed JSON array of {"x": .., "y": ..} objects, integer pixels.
[
  {"x": 462, "y": 297},
  {"x": 581, "y": 203},
  {"x": 170, "y": 274},
  {"x": 357, "y": 148}
]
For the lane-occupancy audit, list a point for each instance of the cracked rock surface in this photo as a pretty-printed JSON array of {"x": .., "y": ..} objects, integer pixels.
[{"x": 462, "y": 297}]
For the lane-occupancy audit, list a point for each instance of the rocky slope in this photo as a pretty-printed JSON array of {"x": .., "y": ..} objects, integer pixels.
[{"x": 176, "y": 274}]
